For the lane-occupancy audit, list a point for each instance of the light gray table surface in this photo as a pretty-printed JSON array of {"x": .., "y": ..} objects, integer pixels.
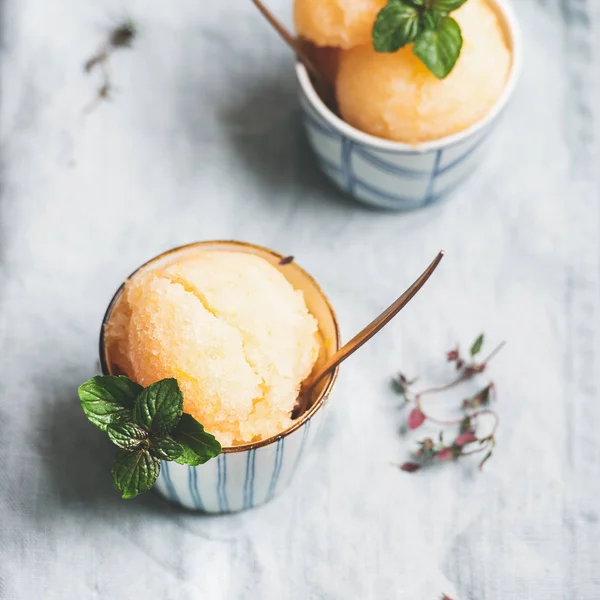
[{"x": 203, "y": 140}]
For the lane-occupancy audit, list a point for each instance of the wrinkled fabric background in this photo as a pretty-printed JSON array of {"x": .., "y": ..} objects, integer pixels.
[{"x": 203, "y": 140}]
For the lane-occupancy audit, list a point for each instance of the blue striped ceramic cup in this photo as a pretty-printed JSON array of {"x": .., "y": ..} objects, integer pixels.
[
  {"x": 393, "y": 175},
  {"x": 246, "y": 476}
]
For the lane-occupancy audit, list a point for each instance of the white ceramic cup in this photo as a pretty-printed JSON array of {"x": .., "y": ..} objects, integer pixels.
[
  {"x": 248, "y": 475},
  {"x": 394, "y": 175}
]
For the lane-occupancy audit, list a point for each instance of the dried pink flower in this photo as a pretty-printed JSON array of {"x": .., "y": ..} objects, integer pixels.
[
  {"x": 445, "y": 454},
  {"x": 416, "y": 418},
  {"x": 474, "y": 407},
  {"x": 410, "y": 467},
  {"x": 465, "y": 438}
]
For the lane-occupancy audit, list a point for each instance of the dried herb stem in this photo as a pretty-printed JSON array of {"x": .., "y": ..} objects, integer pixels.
[
  {"x": 468, "y": 372},
  {"x": 474, "y": 451},
  {"x": 290, "y": 40},
  {"x": 472, "y": 408},
  {"x": 492, "y": 413},
  {"x": 443, "y": 422},
  {"x": 442, "y": 388},
  {"x": 120, "y": 37},
  {"x": 494, "y": 352}
]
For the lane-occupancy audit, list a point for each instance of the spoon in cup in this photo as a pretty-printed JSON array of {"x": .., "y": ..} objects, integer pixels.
[
  {"x": 322, "y": 83},
  {"x": 363, "y": 336}
]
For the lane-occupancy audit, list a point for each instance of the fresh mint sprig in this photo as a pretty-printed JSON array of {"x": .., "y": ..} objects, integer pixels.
[
  {"x": 436, "y": 37},
  {"x": 147, "y": 425}
]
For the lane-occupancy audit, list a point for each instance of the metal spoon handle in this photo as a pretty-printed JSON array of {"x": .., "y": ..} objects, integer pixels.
[
  {"x": 290, "y": 40},
  {"x": 375, "y": 326}
]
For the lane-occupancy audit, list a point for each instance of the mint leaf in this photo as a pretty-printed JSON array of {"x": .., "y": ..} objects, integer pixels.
[
  {"x": 477, "y": 344},
  {"x": 108, "y": 399},
  {"x": 431, "y": 19},
  {"x": 134, "y": 472},
  {"x": 436, "y": 36},
  {"x": 159, "y": 407},
  {"x": 198, "y": 445},
  {"x": 126, "y": 435},
  {"x": 447, "y": 6},
  {"x": 166, "y": 448},
  {"x": 138, "y": 421},
  {"x": 396, "y": 25},
  {"x": 439, "y": 49}
]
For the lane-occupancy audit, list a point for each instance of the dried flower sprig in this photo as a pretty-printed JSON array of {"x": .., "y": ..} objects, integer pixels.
[
  {"x": 468, "y": 441},
  {"x": 121, "y": 36}
]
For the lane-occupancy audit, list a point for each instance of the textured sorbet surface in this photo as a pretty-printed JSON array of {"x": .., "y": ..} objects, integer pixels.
[
  {"x": 342, "y": 23},
  {"x": 395, "y": 96},
  {"x": 230, "y": 328}
]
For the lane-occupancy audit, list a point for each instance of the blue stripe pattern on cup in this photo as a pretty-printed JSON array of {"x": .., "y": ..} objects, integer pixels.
[
  {"x": 411, "y": 181},
  {"x": 193, "y": 486},
  {"x": 276, "y": 468},
  {"x": 434, "y": 174},
  {"x": 305, "y": 433},
  {"x": 222, "y": 483},
  {"x": 240, "y": 480},
  {"x": 347, "y": 164},
  {"x": 249, "y": 479},
  {"x": 173, "y": 495},
  {"x": 389, "y": 167}
]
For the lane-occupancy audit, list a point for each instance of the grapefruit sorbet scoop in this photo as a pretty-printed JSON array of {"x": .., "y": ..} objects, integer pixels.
[
  {"x": 341, "y": 23},
  {"x": 230, "y": 328},
  {"x": 395, "y": 96}
]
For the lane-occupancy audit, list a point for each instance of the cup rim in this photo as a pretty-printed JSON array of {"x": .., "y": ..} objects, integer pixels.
[
  {"x": 506, "y": 12},
  {"x": 319, "y": 402}
]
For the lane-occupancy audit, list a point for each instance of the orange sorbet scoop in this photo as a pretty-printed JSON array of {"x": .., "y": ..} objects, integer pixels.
[{"x": 230, "y": 328}]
